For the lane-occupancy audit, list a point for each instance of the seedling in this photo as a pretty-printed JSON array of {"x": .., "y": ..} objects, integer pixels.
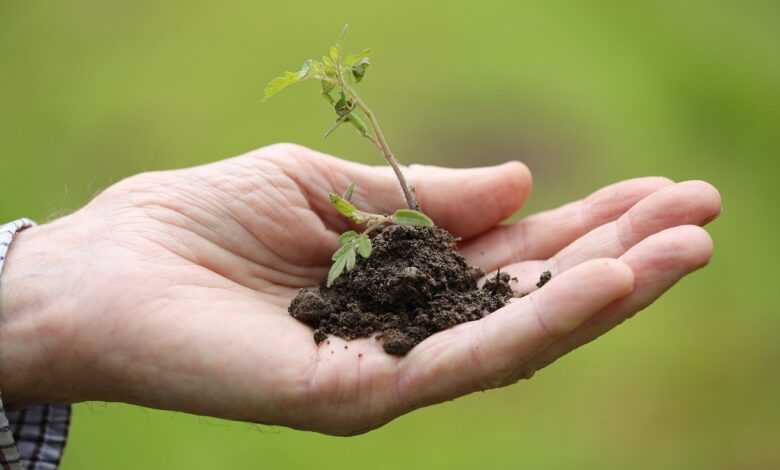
[{"x": 338, "y": 74}]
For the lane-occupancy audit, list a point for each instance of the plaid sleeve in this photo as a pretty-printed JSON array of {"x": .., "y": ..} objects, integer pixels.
[{"x": 31, "y": 438}]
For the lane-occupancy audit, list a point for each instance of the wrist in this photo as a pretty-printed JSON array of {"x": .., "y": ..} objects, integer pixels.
[{"x": 37, "y": 295}]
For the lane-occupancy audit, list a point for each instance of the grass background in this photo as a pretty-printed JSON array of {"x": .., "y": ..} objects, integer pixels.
[{"x": 93, "y": 91}]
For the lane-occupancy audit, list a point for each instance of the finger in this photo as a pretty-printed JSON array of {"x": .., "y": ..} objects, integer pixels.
[
  {"x": 466, "y": 202},
  {"x": 687, "y": 203},
  {"x": 541, "y": 235},
  {"x": 657, "y": 262},
  {"x": 493, "y": 351}
]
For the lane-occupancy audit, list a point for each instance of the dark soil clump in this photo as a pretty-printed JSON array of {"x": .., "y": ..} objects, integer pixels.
[
  {"x": 413, "y": 285},
  {"x": 544, "y": 279}
]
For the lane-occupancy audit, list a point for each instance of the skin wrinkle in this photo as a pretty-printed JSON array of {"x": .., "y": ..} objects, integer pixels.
[
  {"x": 276, "y": 183},
  {"x": 270, "y": 274},
  {"x": 476, "y": 339},
  {"x": 402, "y": 382},
  {"x": 675, "y": 246},
  {"x": 292, "y": 279},
  {"x": 585, "y": 215},
  {"x": 672, "y": 256},
  {"x": 263, "y": 220},
  {"x": 552, "y": 265},
  {"x": 302, "y": 188},
  {"x": 626, "y": 235},
  {"x": 205, "y": 270},
  {"x": 510, "y": 240},
  {"x": 216, "y": 215},
  {"x": 160, "y": 309},
  {"x": 336, "y": 396},
  {"x": 239, "y": 220},
  {"x": 143, "y": 232},
  {"x": 407, "y": 367},
  {"x": 625, "y": 241},
  {"x": 321, "y": 205},
  {"x": 537, "y": 313},
  {"x": 602, "y": 198},
  {"x": 492, "y": 199},
  {"x": 310, "y": 392},
  {"x": 358, "y": 380}
]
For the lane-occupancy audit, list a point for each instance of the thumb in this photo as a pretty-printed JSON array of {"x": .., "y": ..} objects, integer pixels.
[{"x": 466, "y": 202}]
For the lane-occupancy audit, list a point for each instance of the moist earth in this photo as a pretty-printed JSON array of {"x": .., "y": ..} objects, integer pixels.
[{"x": 413, "y": 285}]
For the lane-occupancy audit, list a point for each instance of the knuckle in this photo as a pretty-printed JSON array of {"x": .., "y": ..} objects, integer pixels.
[{"x": 287, "y": 149}]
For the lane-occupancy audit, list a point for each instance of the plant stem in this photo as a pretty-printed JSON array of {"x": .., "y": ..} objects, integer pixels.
[{"x": 381, "y": 143}]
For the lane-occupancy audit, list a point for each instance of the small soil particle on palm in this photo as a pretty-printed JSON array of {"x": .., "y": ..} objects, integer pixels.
[
  {"x": 413, "y": 285},
  {"x": 544, "y": 279}
]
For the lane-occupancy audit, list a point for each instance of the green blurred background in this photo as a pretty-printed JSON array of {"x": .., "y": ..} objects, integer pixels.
[{"x": 93, "y": 91}]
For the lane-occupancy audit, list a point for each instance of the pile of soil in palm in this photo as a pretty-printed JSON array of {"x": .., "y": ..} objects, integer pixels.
[{"x": 413, "y": 285}]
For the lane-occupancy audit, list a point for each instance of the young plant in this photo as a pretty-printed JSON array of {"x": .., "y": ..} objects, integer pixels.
[{"x": 338, "y": 73}]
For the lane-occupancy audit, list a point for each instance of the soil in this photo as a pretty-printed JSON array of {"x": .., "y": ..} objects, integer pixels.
[
  {"x": 544, "y": 279},
  {"x": 413, "y": 285}
]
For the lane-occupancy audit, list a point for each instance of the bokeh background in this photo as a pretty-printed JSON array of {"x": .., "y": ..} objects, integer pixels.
[{"x": 93, "y": 91}]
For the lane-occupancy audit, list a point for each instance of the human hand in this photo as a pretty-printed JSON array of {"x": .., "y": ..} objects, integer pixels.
[{"x": 170, "y": 289}]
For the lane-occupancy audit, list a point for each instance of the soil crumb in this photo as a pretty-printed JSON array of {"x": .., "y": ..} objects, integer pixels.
[
  {"x": 413, "y": 285},
  {"x": 544, "y": 279}
]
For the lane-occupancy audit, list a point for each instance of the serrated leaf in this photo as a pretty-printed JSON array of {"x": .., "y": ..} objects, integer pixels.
[
  {"x": 348, "y": 192},
  {"x": 411, "y": 217},
  {"x": 347, "y": 237},
  {"x": 288, "y": 78},
  {"x": 336, "y": 270},
  {"x": 364, "y": 246},
  {"x": 351, "y": 258},
  {"x": 344, "y": 207},
  {"x": 340, "y": 252}
]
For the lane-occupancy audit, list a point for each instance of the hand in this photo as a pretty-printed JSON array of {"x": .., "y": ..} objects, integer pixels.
[{"x": 171, "y": 289}]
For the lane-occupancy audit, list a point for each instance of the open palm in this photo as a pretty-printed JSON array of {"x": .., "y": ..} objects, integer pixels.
[{"x": 187, "y": 275}]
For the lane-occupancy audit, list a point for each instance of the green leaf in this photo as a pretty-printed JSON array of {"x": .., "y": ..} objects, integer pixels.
[
  {"x": 351, "y": 258},
  {"x": 340, "y": 252},
  {"x": 334, "y": 54},
  {"x": 348, "y": 192},
  {"x": 347, "y": 237},
  {"x": 352, "y": 59},
  {"x": 364, "y": 246},
  {"x": 343, "y": 105},
  {"x": 327, "y": 87},
  {"x": 359, "y": 124},
  {"x": 411, "y": 217},
  {"x": 336, "y": 270},
  {"x": 341, "y": 120},
  {"x": 353, "y": 118},
  {"x": 328, "y": 66},
  {"x": 344, "y": 207},
  {"x": 288, "y": 78},
  {"x": 359, "y": 69}
]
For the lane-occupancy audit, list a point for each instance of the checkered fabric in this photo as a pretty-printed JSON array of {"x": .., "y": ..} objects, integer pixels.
[{"x": 31, "y": 438}]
